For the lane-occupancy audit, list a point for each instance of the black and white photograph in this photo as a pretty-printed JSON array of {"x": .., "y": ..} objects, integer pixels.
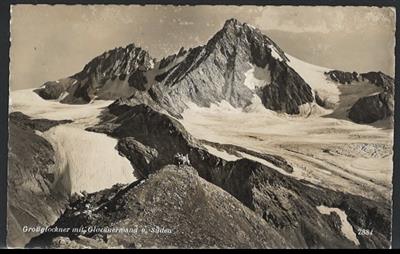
[{"x": 200, "y": 126}]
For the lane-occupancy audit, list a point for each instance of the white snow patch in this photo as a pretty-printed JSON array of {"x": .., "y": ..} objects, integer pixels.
[
  {"x": 63, "y": 95},
  {"x": 222, "y": 154},
  {"x": 87, "y": 161},
  {"x": 312, "y": 110},
  {"x": 257, "y": 77},
  {"x": 347, "y": 228},
  {"x": 269, "y": 164},
  {"x": 151, "y": 64},
  {"x": 274, "y": 52},
  {"x": 219, "y": 107}
]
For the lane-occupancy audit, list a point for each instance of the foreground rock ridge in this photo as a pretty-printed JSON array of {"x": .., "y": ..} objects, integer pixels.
[{"x": 194, "y": 191}]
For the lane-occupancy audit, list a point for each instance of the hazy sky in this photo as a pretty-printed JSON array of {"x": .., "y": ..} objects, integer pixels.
[{"x": 51, "y": 42}]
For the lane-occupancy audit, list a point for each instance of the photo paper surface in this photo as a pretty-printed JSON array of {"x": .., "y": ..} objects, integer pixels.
[{"x": 177, "y": 126}]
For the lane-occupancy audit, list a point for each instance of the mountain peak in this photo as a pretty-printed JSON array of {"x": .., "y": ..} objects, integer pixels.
[{"x": 231, "y": 22}]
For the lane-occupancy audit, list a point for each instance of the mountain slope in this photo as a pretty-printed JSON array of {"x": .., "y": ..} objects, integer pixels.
[{"x": 31, "y": 172}]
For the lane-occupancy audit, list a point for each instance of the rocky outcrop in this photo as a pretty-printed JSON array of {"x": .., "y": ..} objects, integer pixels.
[
  {"x": 379, "y": 79},
  {"x": 55, "y": 90},
  {"x": 115, "y": 73},
  {"x": 139, "y": 155},
  {"x": 25, "y": 122},
  {"x": 285, "y": 203},
  {"x": 342, "y": 77},
  {"x": 31, "y": 172},
  {"x": 372, "y": 108},
  {"x": 177, "y": 209}
]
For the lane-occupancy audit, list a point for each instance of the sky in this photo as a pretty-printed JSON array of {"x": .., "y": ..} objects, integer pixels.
[{"x": 52, "y": 42}]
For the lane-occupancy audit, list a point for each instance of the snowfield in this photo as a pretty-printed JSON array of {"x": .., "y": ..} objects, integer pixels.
[
  {"x": 314, "y": 76},
  {"x": 31, "y": 104},
  {"x": 86, "y": 161}
]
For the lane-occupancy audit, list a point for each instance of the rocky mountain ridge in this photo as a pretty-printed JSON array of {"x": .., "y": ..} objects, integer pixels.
[{"x": 239, "y": 65}]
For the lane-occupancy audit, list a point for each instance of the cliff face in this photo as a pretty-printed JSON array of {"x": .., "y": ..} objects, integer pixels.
[{"x": 31, "y": 171}]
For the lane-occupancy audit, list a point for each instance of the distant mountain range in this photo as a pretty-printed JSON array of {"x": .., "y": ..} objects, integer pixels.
[{"x": 239, "y": 65}]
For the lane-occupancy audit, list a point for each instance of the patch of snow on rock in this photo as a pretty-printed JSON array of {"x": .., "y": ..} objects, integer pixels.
[
  {"x": 275, "y": 53},
  {"x": 63, "y": 95},
  {"x": 347, "y": 228},
  {"x": 221, "y": 154},
  {"x": 257, "y": 77}
]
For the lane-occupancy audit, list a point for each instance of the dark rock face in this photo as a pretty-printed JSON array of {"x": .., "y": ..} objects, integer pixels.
[
  {"x": 286, "y": 204},
  {"x": 31, "y": 169},
  {"x": 192, "y": 212},
  {"x": 286, "y": 92},
  {"x": 140, "y": 155},
  {"x": 25, "y": 122},
  {"x": 138, "y": 80},
  {"x": 372, "y": 108},
  {"x": 379, "y": 79},
  {"x": 54, "y": 90},
  {"x": 116, "y": 73},
  {"x": 343, "y": 77}
]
